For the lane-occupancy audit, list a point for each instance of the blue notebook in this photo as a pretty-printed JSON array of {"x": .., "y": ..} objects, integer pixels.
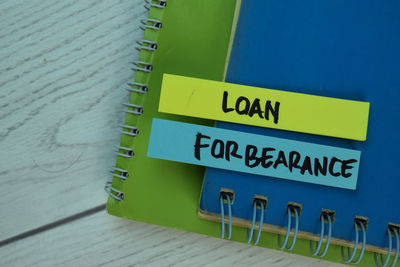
[{"x": 342, "y": 49}]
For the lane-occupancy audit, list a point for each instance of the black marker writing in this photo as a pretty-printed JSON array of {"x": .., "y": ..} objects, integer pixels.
[
  {"x": 270, "y": 157},
  {"x": 243, "y": 106}
]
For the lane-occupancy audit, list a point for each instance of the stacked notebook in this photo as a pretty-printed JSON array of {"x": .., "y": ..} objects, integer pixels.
[
  {"x": 190, "y": 38},
  {"x": 308, "y": 165}
]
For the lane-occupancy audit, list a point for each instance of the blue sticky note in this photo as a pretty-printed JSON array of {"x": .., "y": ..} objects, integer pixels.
[{"x": 255, "y": 154}]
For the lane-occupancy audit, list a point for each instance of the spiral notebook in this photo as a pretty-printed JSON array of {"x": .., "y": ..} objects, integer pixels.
[
  {"x": 341, "y": 49},
  {"x": 186, "y": 37}
]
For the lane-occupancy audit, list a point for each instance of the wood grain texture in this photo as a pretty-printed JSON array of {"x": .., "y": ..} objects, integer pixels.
[
  {"x": 64, "y": 66},
  {"x": 101, "y": 239}
]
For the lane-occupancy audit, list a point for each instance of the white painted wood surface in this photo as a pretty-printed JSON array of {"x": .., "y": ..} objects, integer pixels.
[
  {"x": 105, "y": 240},
  {"x": 63, "y": 70}
]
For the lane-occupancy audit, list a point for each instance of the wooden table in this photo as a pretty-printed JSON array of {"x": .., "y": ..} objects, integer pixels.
[{"x": 64, "y": 67}]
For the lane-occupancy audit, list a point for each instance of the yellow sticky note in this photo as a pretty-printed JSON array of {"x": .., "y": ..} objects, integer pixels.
[{"x": 264, "y": 107}]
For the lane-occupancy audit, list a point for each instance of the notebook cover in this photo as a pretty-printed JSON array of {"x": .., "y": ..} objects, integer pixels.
[
  {"x": 342, "y": 49},
  {"x": 193, "y": 41}
]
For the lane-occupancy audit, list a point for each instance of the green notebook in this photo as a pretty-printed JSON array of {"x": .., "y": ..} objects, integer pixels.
[{"x": 191, "y": 38}]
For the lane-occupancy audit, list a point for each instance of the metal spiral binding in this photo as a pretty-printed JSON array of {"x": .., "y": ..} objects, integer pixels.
[
  {"x": 261, "y": 204},
  {"x": 226, "y": 197},
  {"x": 132, "y": 131},
  {"x": 114, "y": 193},
  {"x": 142, "y": 66},
  {"x": 121, "y": 173},
  {"x": 135, "y": 109},
  {"x": 359, "y": 224},
  {"x": 295, "y": 209},
  {"x": 127, "y": 152},
  {"x": 392, "y": 231},
  {"x": 139, "y": 88},
  {"x": 146, "y": 45},
  {"x": 152, "y": 24},
  {"x": 326, "y": 217},
  {"x": 157, "y": 4}
]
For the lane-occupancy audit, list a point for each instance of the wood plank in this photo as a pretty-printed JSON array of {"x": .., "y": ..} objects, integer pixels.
[
  {"x": 63, "y": 67},
  {"x": 102, "y": 239}
]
